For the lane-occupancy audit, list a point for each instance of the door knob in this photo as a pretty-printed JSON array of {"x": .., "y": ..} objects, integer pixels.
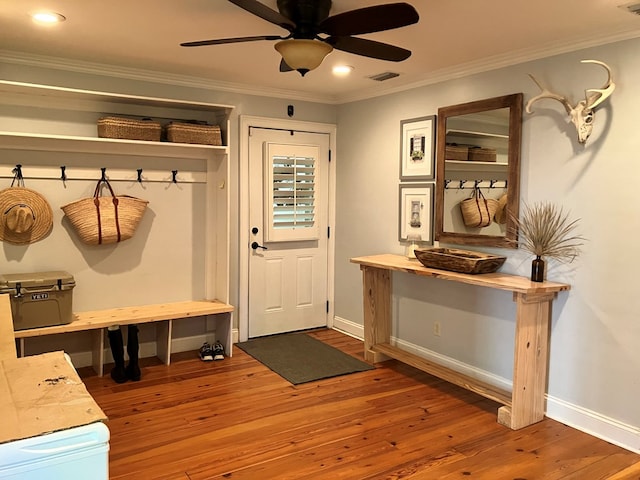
[{"x": 256, "y": 245}]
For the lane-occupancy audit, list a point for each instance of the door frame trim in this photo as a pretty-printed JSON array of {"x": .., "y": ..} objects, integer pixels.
[{"x": 246, "y": 122}]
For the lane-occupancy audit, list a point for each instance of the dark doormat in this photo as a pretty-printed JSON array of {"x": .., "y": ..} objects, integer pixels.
[{"x": 299, "y": 358}]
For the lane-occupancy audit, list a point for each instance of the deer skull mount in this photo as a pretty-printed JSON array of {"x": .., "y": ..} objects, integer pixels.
[{"x": 582, "y": 114}]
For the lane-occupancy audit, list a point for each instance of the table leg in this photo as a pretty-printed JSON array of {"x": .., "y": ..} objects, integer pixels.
[
  {"x": 531, "y": 358},
  {"x": 377, "y": 310}
]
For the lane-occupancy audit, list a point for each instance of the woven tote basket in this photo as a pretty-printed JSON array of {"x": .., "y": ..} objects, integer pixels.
[
  {"x": 102, "y": 220},
  {"x": 478, "y": 211}
]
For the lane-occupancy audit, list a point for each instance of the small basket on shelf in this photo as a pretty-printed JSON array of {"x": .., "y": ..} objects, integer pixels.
[
  {"x": 479, "y": 154},
  {"x": 456, "y": 152},
  {"x": 194, "y": 132},
  {"x": 129, "y": 129}
]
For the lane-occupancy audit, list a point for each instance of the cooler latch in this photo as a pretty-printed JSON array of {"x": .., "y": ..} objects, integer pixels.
[
  {"x": 59, "y": 284},
  {"x": 18, "y": 290}
]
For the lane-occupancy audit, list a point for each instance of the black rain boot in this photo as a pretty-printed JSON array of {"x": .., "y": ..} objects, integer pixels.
[
  {"x": 133, "y": 369},
  {"x": 117, "y": 350}
]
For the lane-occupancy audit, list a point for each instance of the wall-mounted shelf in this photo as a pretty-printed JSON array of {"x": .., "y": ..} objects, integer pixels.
[
  {"x": 496, "y": 141},
  {"x": 112, "y": 146},
  {"x": 467, "y": 166},
  {"x": 473, "y": 134},
  {"x": 55, "y": 92},
  {"x": 99, "y": 104}
]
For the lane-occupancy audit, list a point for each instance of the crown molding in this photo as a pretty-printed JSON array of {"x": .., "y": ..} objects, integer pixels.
[
  {"x": 437, "y": 76},
  {"x": 492, "y": 63},
  {"x": 79, "y": 66}
]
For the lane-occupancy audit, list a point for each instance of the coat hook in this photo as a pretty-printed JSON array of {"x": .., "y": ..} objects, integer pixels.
[
  {"x": 462, "y": 182},
  {"x": 104, "y": 174},
  {"x": 175, "y": 175},
  {"x": 63, "y": 173},
  {"x": 446, "y": 183},
  {"x": 476, "y": 183},
  {"x": 17, "y": 176},
  {"x": 140, "y": 175},
  {"x": 492, "y": 183}
]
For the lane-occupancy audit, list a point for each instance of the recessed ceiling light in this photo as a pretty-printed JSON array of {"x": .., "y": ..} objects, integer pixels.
[
  {"x": 342, "y": 70},
  {"x": 47, "y": 17}
]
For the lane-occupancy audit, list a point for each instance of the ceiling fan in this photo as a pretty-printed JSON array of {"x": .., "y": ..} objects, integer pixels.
[{"x": 313, "y": 34}]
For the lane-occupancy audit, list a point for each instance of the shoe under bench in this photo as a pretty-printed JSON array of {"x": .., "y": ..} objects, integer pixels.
[{"x": 164, "y": 313}]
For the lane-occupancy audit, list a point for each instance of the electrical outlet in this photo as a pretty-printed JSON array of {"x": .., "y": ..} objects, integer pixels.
[{"x": 436, "y": 329}]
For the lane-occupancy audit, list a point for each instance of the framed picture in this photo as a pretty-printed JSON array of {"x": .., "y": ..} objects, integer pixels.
[
  {"x": 416, "y": 212},
  {"x": 417, "y": 148}
]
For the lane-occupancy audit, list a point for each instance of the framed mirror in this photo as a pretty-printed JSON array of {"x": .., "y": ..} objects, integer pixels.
[{"x": 478, "y": 159}]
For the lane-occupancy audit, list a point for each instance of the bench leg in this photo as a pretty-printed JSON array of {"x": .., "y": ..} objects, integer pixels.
[
  {"x": 163, "y": 341},
  {"x": 224, "y": 331},
  {"x": 97, "y": 352}
]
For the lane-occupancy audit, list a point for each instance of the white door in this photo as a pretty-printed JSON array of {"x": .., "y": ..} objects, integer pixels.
[{"x": 288, "y": 238}]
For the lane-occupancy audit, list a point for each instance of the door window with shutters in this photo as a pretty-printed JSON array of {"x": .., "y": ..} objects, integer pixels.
[{"x": 290, "y": 193}]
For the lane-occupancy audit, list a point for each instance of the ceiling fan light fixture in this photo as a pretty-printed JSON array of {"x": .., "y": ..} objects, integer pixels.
[{"x": 303, "y": 55}]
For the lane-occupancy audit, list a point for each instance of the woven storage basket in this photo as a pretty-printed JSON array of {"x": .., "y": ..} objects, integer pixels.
[
  {"x": 456, "y": 152},
  {"x": 194, "y": 133},
  {"x": 129, "y": 129},
  {"x": 101, "y": 220},
  {"x": 477, "y": 154},
  {"x": 478, "y": 211}
]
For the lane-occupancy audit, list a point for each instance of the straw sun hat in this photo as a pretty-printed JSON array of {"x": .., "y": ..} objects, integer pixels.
[
  {"x": 25, "y": 216},
  {"x": 501, "y": 213}
]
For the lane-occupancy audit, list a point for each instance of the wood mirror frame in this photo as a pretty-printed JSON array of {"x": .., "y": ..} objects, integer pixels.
[{"x": 474, "y": 236}]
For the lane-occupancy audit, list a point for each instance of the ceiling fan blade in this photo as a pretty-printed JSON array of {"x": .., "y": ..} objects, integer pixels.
[
  {"x": 264, "y": 12},
  {"x": 369, "y": 48},
  {"x": 370, "y": 19},
  {"x": 284, "y": 67},
  {"x": 221, "y": 41}
]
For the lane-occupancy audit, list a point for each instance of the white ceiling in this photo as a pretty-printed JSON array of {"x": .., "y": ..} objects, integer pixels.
[{"x": 452, "y": 37}]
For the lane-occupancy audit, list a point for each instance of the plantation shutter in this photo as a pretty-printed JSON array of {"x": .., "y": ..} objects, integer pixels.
[{"x": 290, "y": 192}]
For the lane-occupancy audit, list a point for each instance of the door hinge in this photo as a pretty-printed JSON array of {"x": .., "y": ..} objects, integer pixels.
[
  {"x": 327, "y": 306},
  {"x": 328, "y": 232},
  {"x": 329, "y": 155}
]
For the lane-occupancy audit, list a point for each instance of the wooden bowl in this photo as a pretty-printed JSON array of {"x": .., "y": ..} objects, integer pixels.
[{"x": 461, "y": 261}]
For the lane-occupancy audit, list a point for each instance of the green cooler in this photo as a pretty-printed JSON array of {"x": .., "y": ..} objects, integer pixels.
[{"x": 39, "y": 299}]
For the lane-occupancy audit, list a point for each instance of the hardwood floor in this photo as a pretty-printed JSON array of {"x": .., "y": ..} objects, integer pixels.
[{"x": 236, "y": 419}]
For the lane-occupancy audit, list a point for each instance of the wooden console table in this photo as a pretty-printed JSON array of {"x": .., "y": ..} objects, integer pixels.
[{"x": 524, "y": 405}]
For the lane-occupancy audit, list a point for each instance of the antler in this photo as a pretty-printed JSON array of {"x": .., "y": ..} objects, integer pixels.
[
  {"x": 547, "y": 94},
  {"x": 595, "y": 96}
]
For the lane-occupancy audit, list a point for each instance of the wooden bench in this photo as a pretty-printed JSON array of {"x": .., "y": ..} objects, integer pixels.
[{"x": 164, "y": 313}]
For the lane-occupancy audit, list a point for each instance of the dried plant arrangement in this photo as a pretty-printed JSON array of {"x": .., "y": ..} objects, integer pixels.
[{"x": 546, "y": 231}]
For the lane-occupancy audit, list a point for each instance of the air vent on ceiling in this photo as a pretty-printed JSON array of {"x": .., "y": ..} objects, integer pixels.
[
  {"x": 381, "y": 77},
  {"x": 631, "y": 8}
]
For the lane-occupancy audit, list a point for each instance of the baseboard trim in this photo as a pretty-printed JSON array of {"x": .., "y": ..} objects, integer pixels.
[
  {"x": 575, "y": 416},
  {"x": 594, "y": 423},
  {"x": 348, "y": 327}
]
